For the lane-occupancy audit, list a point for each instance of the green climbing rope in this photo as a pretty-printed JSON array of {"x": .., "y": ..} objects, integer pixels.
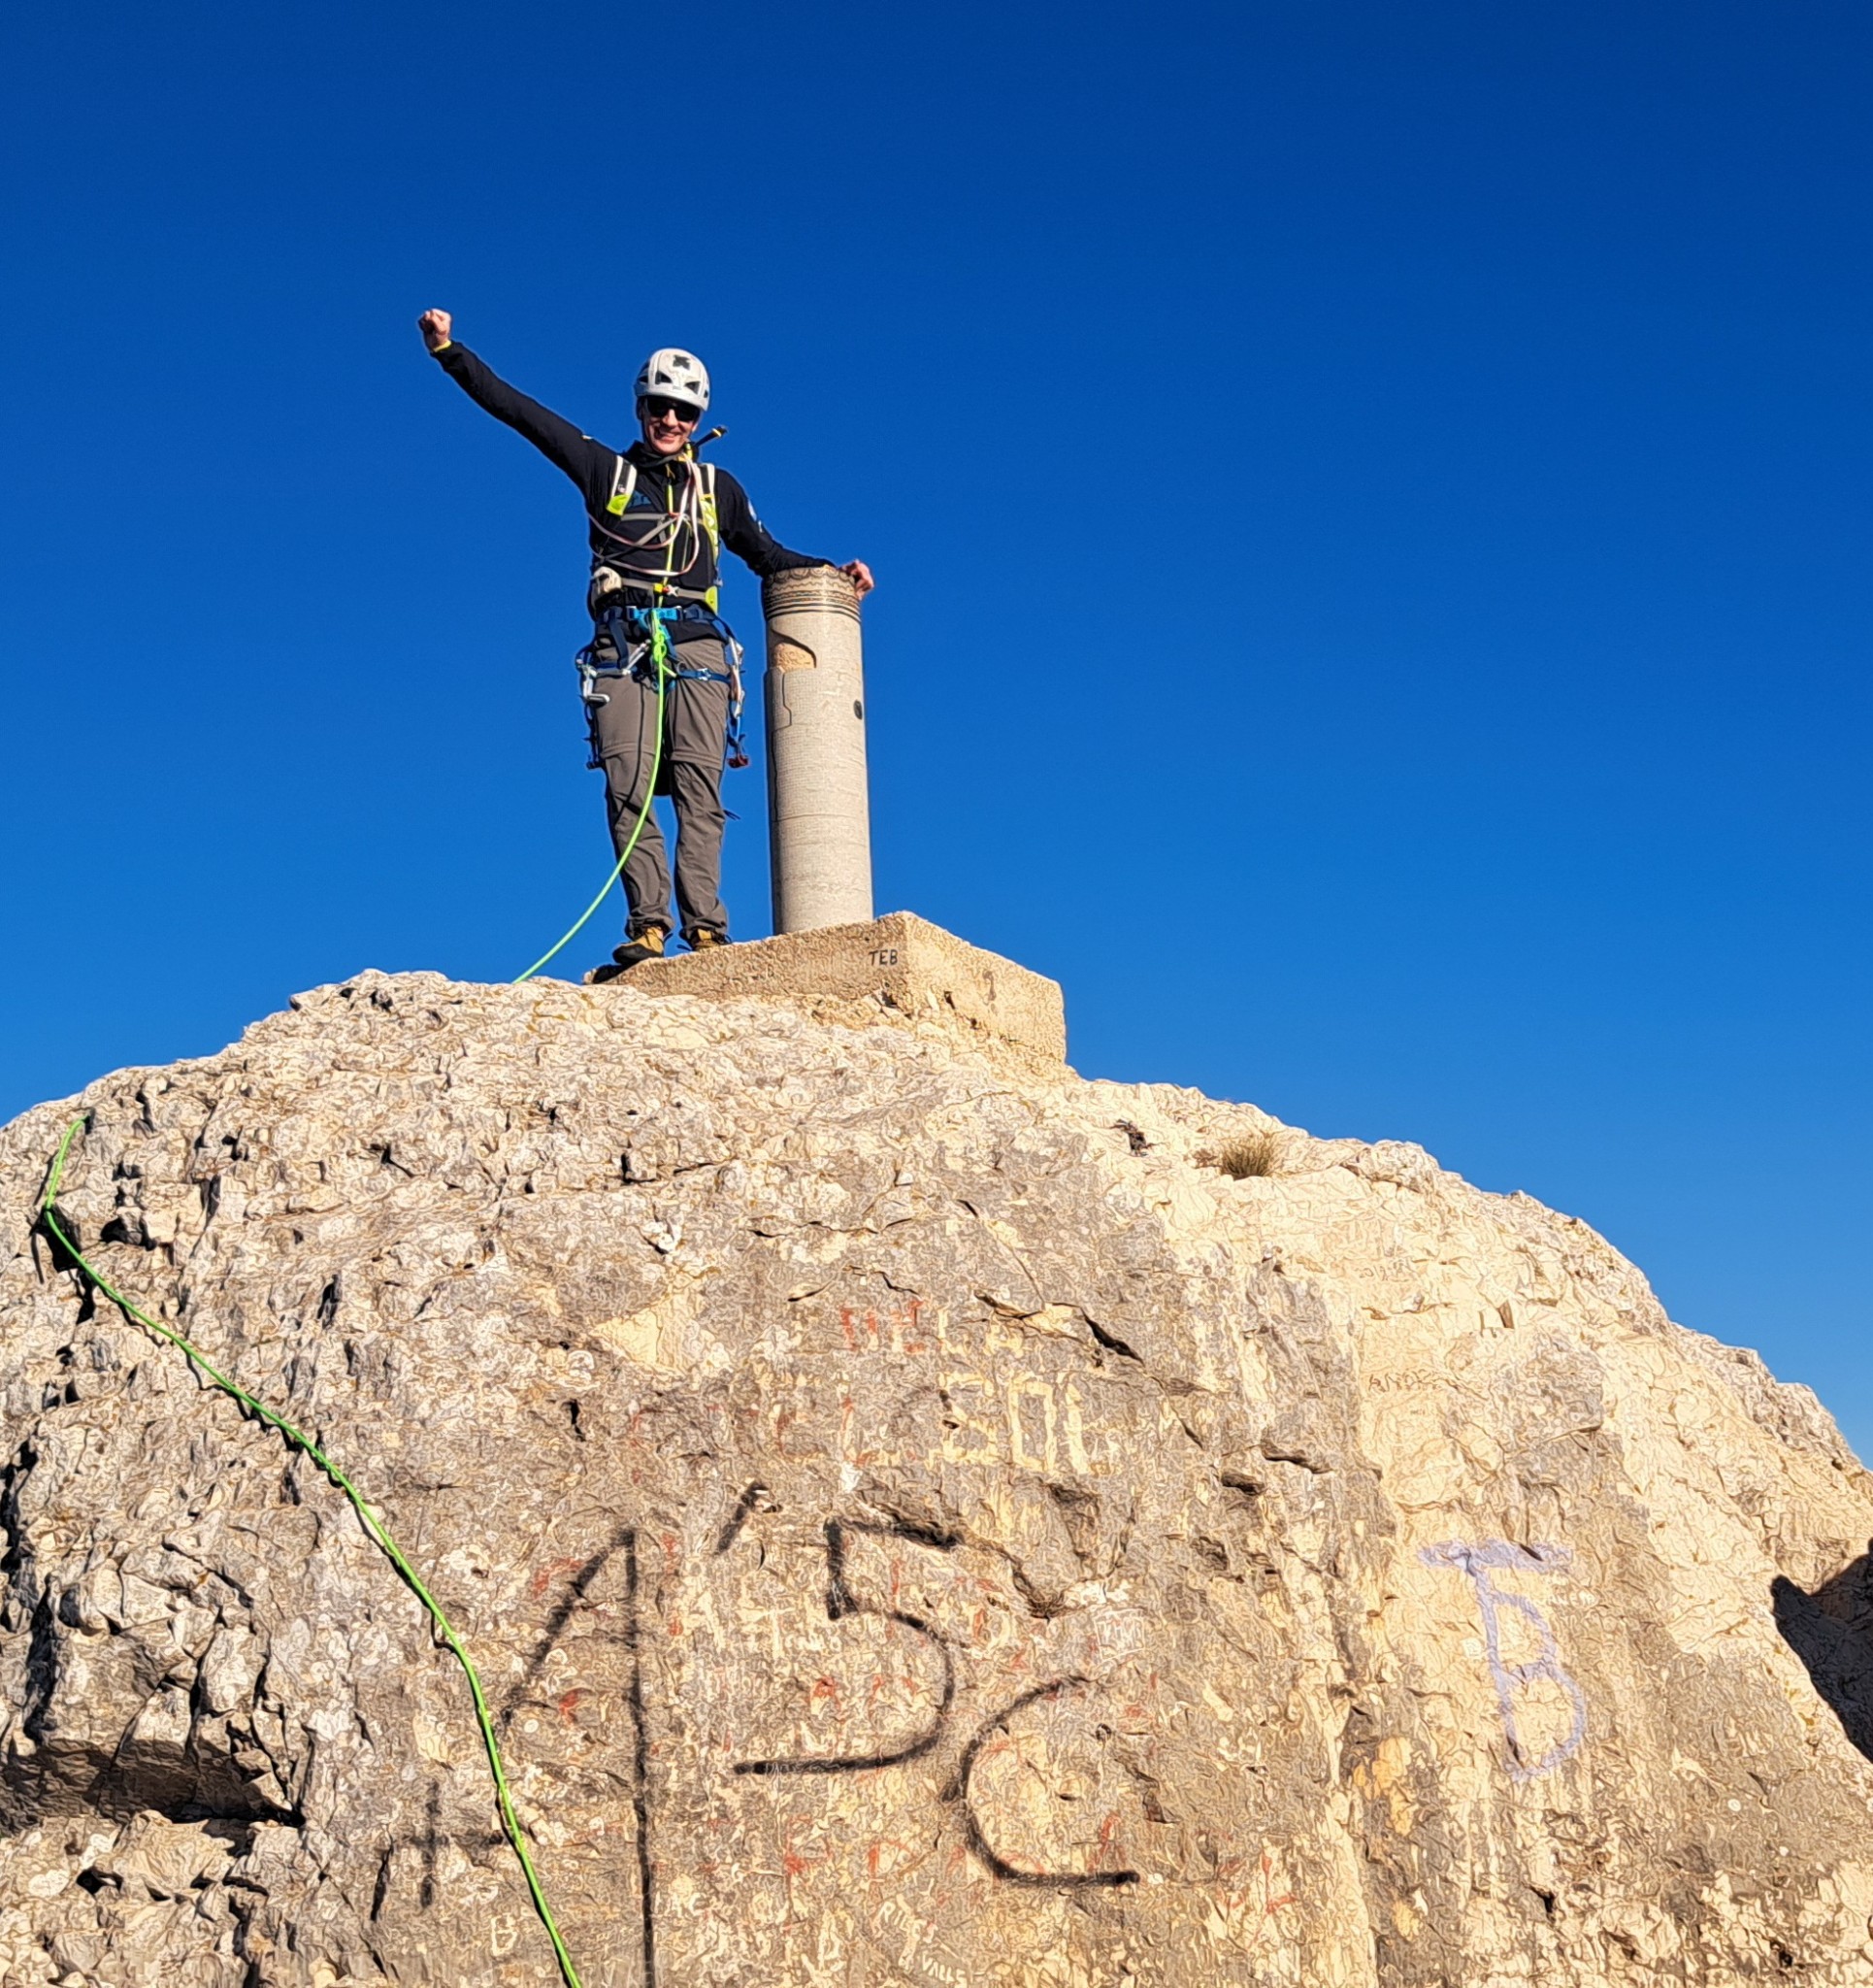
[
  {"x": 660, "y": 657},
  {"x": 372, "y": 1525}
]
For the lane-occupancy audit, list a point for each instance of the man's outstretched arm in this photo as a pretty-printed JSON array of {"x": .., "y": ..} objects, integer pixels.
[
  {"x": 577, "y": 454},
  {"x": 757, "y": 548}
]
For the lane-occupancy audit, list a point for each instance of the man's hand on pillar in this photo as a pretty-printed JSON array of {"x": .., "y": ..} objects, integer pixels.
[
  {"x": 855, "y": 570},
  {"x": 435, "y": 328}
]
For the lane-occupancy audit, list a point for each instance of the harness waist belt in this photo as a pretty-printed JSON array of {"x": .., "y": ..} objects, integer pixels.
[
  {"x": 640, "y": 659},
  {"x": 630, "y": 653}
]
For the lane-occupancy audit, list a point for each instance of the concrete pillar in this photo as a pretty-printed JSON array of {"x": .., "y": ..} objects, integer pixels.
[{"x": 819, "y": 822}]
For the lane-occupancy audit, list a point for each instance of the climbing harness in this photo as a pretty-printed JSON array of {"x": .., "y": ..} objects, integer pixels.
[
  {"x": 627, "y": 634},
  {"x": 373, "y": 1528},
  {"x": 635, "y": 640}
]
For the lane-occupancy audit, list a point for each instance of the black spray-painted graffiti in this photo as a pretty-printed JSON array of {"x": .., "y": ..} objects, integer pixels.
[
  {"x": 959, "y": 1790},
  {"x": 1481, "y": 1563},
  {"x": 640, "y": 1758},
  {"x": 624, "y": 1541},
  {"x": 840, "y": 1602}
]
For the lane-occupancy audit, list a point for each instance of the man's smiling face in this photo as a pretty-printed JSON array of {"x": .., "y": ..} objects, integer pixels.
[{"x": 666, "y": 425}]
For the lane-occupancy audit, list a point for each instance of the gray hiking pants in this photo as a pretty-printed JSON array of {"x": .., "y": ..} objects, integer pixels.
[{"x": 624, "y": 737}]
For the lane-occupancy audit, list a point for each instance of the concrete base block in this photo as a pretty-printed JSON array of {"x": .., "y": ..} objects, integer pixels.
[{"x": 916, "y": 966}]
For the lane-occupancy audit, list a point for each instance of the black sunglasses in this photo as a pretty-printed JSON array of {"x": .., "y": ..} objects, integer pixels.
[{"x": 656, "y": 406}]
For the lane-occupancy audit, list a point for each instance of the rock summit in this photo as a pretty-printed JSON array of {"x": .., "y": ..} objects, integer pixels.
[{"x": 924, "y": 1520}]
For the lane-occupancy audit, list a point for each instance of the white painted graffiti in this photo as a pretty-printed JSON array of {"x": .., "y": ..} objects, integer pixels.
[{"x": 1482, "y": 1561}]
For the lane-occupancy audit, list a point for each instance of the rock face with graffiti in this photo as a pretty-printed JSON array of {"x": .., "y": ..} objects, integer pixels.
[{"x": 921, "y": 1518}]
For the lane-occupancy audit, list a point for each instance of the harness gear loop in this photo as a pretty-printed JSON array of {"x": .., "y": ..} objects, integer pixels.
[{"x": 634, "y": 660}]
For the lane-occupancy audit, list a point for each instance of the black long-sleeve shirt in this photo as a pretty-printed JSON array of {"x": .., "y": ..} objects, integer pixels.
[{"x": 599, "y": 473}]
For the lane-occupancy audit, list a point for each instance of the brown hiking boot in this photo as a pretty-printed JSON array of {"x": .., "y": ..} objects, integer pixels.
[{"x": 646, "y": 944}]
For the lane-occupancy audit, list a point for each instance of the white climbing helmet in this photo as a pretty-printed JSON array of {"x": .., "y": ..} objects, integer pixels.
[{"x": 676, "y": 376}]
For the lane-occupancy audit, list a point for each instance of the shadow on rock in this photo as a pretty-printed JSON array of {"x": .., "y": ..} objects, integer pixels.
[{"x": 1831, "y": 1631}]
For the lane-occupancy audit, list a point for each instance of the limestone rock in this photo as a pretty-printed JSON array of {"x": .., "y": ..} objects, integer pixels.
[{"x": 921, "y": 1518}]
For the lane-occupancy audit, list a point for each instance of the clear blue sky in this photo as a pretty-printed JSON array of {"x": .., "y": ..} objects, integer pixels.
[{"x": 1370, "y": 506}]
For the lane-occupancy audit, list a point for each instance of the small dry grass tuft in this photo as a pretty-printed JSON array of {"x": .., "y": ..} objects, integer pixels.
[{"x": 1252, "y": 1157}]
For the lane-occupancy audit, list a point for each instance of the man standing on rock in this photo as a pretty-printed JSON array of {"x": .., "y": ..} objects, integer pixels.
[{"x": 658, "y": 518}]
